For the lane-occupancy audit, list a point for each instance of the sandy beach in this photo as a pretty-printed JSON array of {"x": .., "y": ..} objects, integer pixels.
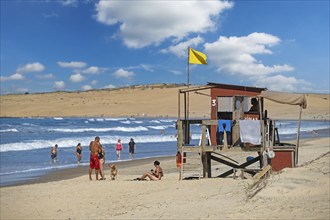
[
  {"x": 293, "y": 193},
  {"x": 158, "y": 100}
]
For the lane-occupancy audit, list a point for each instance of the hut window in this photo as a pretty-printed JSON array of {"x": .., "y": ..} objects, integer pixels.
[{"x": 225, "y": 104}]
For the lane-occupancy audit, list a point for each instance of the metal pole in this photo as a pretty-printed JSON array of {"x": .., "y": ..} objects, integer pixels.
[
  {"x": 187, "y": 141},
  {"x": 188, "y": 83}
]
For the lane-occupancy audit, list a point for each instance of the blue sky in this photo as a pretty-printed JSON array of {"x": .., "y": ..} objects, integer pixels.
[{"x": 71, "y": 45}]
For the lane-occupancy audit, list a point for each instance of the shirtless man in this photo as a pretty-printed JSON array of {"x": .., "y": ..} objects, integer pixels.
[{"x": 94, "y": 147}]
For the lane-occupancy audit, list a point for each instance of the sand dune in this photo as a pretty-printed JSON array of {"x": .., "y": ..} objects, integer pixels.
[{"x": 140, "y": 101}]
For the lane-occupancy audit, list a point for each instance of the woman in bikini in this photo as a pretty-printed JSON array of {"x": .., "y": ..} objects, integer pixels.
[
  {"x": 153, "y": 175},
  {"x": 78, "y": 152},
  {"x": 101, "y": 155}
]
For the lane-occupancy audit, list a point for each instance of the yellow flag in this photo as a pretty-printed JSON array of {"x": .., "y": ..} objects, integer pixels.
[{"x": 196, "y": 57}]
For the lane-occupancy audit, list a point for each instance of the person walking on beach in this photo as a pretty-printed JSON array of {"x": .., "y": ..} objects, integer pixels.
[
  {"x": 53, "y": 153},
  {"x": 153, "y": 175},
  {"x": 131, "y": 148},
  {"x": 94, "y": 163},
  {"x": 119, "y": 147},
  {"x": 101, "y": 156},
  {"x": 78, "y": 152}
]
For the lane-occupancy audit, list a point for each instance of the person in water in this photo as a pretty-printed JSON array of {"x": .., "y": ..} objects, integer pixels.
[
  {"x": 53, "y": 153},
  {"x": 131, "y": 148},
  {"x": 78, "y": 152},
  {"x": 153, "y": 175},
  {"x": 94, "y": 163},
  {"x": 119, "y": 147}
]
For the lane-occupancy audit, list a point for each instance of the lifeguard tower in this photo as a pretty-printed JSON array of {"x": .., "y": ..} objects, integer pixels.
[{"x": 237, "y": 120}]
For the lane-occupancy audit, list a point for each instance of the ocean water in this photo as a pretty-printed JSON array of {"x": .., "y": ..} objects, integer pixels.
[{"x": 25, "y": 143}]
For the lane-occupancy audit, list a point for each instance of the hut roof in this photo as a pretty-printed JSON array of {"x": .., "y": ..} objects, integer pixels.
[
  {"x": 236, "y": 87},
  {"x": 285, "y": 98}
]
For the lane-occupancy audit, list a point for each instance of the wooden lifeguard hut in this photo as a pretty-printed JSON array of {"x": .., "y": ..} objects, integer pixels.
[{"x": 237, "y": 121}]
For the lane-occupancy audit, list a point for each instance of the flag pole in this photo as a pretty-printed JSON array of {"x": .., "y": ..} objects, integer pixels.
[{"x": 188, "y": 82}]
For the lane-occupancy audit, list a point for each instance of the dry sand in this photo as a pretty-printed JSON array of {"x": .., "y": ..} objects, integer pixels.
[
  {"x": 293, "y": 193},
  {"x": 139, "y": 101}
]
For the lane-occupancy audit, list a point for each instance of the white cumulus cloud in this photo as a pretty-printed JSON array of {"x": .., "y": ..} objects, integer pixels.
[
  {"x": 121, "y": 73},
  {"x": 31, "y": 67},
  {"x": 94, "y": 82},
  {"x": 181, "y": 49},
  {"x": 143, "y": 23},
  {"x": 15, "y": 76},
  {"x": 76, "y": 78},
  {"x": 86, "y": 87},
  {"x": 93, "y": 70},
  {"x": 282, "y": 83},
  {"x": 236, "y": 55},
  {"x": 110, "y": 86},
  {"x": 59, "y": 85},
  {"x": 73, "y": 64}
]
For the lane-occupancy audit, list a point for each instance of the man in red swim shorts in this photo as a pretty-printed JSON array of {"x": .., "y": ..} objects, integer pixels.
[{"x": 94, "y": 147}]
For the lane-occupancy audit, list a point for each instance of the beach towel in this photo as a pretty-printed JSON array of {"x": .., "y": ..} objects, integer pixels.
[{"x": 250, "y": 131}]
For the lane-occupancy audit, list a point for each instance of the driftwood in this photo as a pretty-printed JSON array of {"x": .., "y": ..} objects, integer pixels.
[{"x": 259, "y": 182}]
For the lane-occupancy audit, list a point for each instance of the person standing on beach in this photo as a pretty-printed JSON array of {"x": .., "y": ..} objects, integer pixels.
[
  {"x": 101, "y": 156},
  {"x": 53, "y": 153},
  {"x": 94, "y": 163},
  {"x": 78, "y": 152},
  {"x": 119, "y": 147},
  {"x": 131, "y": 148}
]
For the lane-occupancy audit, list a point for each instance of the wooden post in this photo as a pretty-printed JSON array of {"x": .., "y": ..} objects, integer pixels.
[
  {"x": 179, "y": 146},
  {"x": 186, "y": 125},
  {"x": 208, "y": 162},
  {"x": 298, "y": 134},
  {"x": 262, "y": 127},
  {"x": 204, "y": 154},
  {"x": 225, "y": 144},
  {"x": 179, "y": 135}
]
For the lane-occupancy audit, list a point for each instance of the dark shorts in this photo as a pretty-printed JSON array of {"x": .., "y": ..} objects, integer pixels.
[
  {"x": 53, "y": 156},
  {"x": 94, "y": 162},
  {"x": 131, "y": 150}
]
